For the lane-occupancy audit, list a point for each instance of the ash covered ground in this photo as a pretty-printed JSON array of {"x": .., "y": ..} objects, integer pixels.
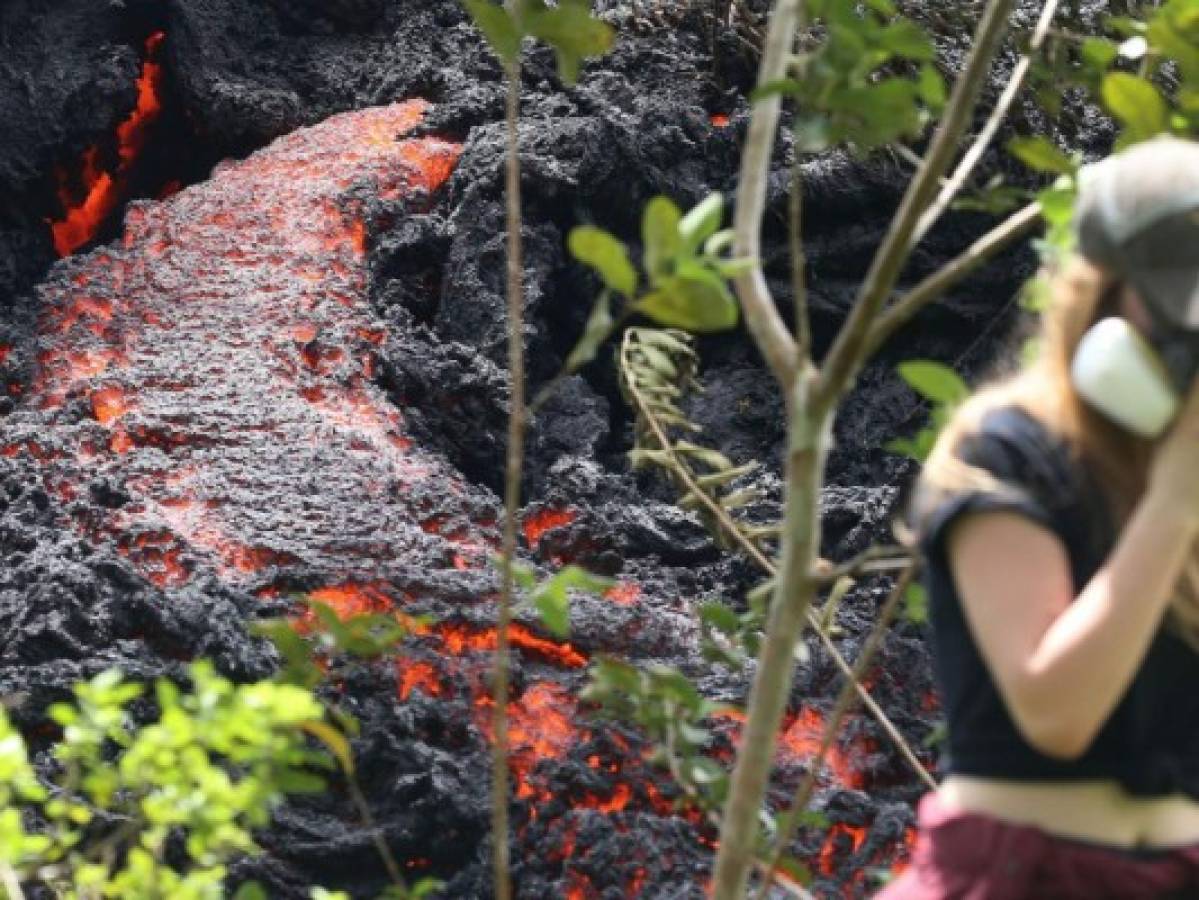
[{"x": 286, "y": 374}]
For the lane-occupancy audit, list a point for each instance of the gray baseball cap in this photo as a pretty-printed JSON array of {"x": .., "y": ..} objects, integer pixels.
[{"x": 1137, "y": 214}]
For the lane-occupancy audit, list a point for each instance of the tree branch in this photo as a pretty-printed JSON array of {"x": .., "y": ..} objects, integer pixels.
[
  {"x": 1012, "y": 229},
  {"x": 848, "y": 351},
  {"x": 951, "y": 187},
  {"x": 761, "y": 315},
  {"x": 512, "y": 478},
  {"x": 845, "y": 699}
]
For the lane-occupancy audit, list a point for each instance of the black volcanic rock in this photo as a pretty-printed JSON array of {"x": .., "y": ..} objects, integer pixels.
[{"x": 76, "y": 596}]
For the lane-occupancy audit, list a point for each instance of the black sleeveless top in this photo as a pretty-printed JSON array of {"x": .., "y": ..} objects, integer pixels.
[{"x": 1150, "y": 743}]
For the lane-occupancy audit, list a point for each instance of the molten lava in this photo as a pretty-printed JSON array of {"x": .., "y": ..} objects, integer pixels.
[
  {"x": 99, "y": 191},
  {"x": 538, "y": 523},
  {"x": 216, "y": 365}
]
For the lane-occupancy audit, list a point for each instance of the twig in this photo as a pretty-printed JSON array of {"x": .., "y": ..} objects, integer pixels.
[
  {"x": 721, "y": 515},
  {"x": 893, "y": 556},
  {"x": 761, "y": 316},
  {"x": 1015, "y": 227},
  {"x": 368, "y": 820},
  {"x": 847, "y": 354},
  {"x": 12, "y": 886},
  {"x": 845, "y": 699},
  {"x": 987, "y": 134},
  {"x": 799, "y": 262},
  {"x": 515, "y": 458}
]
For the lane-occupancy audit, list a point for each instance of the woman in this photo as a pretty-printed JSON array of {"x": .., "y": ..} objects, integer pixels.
[{"x": 1058, "y": 514}]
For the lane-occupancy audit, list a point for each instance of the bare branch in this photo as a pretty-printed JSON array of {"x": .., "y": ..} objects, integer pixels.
[
  {"x": 832, "y": 725},
  {"x": 848, "y": 351},
  {"x": 512, "y": 478},
  {"x": 1012, "y": 229},
  {"x": 951, "y": 187},
  {"x": 761, "y": 316}
]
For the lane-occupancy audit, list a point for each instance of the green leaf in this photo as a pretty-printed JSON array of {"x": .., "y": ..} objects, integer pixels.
[
  {"x": 812, "y": 132},
  {"x": 876, "y": 114},
  {"x": 782, "y": 87},
  {"x": 883, "y": 7},
  {"x": 334, "y": 740},
  {"x": 250, "y": 890},
  {"x": 695, "y": 299},
  {"x": 931, "y": 87},
  {"x": 553, "y": 605},
  {"x": 1099, "y": 53},
  {"x": 598, "y": 329},
  {"x": 1136, "y": 103},
  {"x": 907, "y": 39},
  {"x": 934, "y": 381},
  {"x": 720, "y": 617},
  {"x": 552, "y": 599},
  {"x": 606, "y": 255},
  {"x": 1040, "y": 154},
  {"x": 915, "y": 604},
  {"x": 501, "y": 32},
  {"x": 660, "y": 235},
  {"x": 1057, "y": 204},
  {"x": 701, "y": 222},
  {"x": 573, "y": 33}
]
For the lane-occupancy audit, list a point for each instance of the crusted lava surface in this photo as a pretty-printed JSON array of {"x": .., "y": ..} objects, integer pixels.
[{"x": 288, "y": 376}]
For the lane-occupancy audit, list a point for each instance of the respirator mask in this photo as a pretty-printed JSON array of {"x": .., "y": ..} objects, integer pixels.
[{"x": 1138, "y": 217}]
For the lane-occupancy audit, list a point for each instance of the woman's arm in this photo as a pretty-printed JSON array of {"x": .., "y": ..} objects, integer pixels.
[{"x": 1062, "y": 666}]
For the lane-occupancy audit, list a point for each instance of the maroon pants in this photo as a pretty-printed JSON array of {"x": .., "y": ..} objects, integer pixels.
[{"x": 970, "y": 856}]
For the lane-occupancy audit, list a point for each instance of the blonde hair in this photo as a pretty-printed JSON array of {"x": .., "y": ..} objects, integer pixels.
[{"x": 1080, "y": 294}]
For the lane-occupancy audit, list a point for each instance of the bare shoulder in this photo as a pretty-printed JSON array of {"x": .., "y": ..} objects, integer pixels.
[{"x": 1012, "y": 573}]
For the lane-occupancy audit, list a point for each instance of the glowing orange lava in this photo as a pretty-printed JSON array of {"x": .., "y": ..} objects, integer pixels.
[
  {"x": 225, "y": 350},
  {"x": 411, "y": 675},
  {"x": 625, "y": 592},
  {"x": 538, "y": 523},
  {"x": 459, "y": 639},
  {"x": 834, "y": 848},
  {"x": 102, "y": 190}
]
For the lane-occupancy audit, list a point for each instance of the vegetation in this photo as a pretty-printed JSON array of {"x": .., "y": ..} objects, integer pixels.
[{"x": 871, "y": 82}]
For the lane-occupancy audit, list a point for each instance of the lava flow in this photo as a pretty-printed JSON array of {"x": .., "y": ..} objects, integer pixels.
[
  {"x": 213, "y": 372},
  {"x": 204, "y": 404},
  {"x": 88, "y": 206}
]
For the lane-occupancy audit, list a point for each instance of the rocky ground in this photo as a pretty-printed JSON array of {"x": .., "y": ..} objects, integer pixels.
[{"x": 664, "y": 113}]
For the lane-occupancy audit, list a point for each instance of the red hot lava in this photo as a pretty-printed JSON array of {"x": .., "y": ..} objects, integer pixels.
[
  {"x": 216, "y": 365},
  {"x": 88, "y": 206}
]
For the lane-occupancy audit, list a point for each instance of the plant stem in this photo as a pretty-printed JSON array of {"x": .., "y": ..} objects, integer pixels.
[
  {"x": 951, "y": 187},
  {"x": 848, "y": 352},
  {"x": 844, "y": 701},
  {"x": 821, "y": 573},
  {"x": 761, "y": 316},
  {"x": 8, "y": 879},
  {"x": 512, "y": 478},
  {"x": 799, "y": 287},
  {"x": 368, "y": 820},
  {"x": 799, "y": 262},
  {"x": 1013, "y": 228},
  {"x": 794, "y": 588}
]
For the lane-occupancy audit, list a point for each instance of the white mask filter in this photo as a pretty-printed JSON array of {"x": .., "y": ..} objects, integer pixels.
[{"x": 1118, "y": 373}]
